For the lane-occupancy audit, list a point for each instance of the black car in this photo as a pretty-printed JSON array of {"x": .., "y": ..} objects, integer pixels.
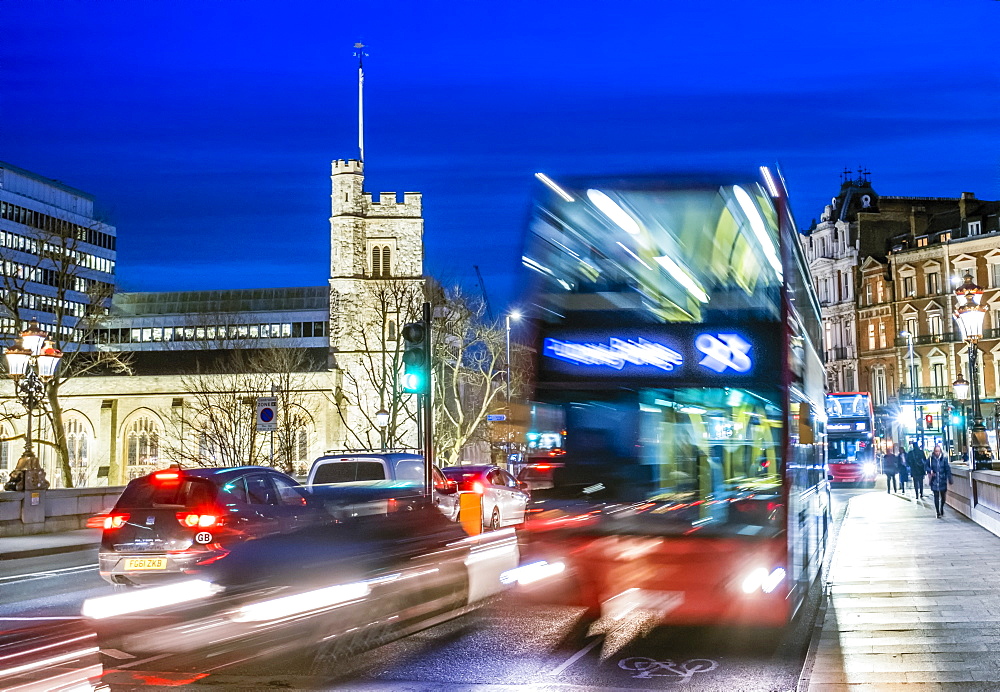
[{"x": 176, "y": 521}]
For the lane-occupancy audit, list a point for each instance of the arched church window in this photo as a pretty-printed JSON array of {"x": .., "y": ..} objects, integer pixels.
[
  {"x": 386, "y": 261},
  {"x": 206, "y": 449},
  {"x": 142, "y": 446},
  {"x": 6, "y": 451},
  {"x": 390, "y": 331},
  {"x": 377, "y": 261},
  {"x": 302, "y": 445},
  {"x": 78, "y": 444}
]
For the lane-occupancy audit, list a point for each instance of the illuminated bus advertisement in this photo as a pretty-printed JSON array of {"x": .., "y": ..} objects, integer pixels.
[
  {"x": 675, "y": 330},
  {"x": 850, "y": 449}
]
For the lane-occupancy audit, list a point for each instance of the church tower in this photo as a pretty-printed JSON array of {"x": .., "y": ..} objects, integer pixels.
[{"x": 376, "y": 284}]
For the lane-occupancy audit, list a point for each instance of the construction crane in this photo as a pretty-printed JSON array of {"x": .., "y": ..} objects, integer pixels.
[{"x": 482, "y": 287}]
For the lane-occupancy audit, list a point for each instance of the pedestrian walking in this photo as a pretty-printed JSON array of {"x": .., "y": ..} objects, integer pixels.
[
  {"x": 918, "y": 469},
  {"x": 890, "y": 467},
  {"x": 904, "y": 470},
  {"x": 939, "y": 477}
]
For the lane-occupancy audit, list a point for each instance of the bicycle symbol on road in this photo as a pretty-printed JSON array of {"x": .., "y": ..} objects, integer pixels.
[{"x": 651, "y": 668}]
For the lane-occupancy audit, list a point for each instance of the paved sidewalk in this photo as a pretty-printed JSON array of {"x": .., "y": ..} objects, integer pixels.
[
  {"x": 16, "y": 547},
  {"x": 914, "y": 602}
]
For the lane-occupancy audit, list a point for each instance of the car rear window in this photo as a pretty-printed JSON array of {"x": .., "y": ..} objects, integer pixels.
[
  {"x": 145, "y": 493},
  {"x": 410, "y": 470},
  {"x": 465, "y": 478},
  {"x": 349, "y": 472}
]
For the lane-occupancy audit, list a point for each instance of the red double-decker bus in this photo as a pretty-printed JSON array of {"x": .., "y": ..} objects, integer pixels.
[
  {"x": 676, "y": 332},
  {"x": 850, "y": 449}
]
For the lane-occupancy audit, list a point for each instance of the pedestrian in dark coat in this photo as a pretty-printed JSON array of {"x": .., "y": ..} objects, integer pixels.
[
  {"x": 918, "y": 468},
  {"x": 904, "y": 470},
  {"x": 890, "y": 467},
  {"x": 939, "y": 476}
]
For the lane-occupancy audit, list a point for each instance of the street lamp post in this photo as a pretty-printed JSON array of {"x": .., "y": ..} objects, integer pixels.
[
  {"x": 515, "y": 315},
  {"x": 917, "y": 429},
  {"x": 961, "y": 387},
  {"x": 382, "y": 420},
  {"x": 31, "y": 363},
  {"x": 969, "y": 313}
]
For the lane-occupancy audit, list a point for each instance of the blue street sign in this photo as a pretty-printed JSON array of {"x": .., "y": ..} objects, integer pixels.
[{"x": 496, "y": 417}]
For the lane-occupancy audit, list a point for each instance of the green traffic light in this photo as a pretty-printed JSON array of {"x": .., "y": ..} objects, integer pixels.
[{"x": 412, "y": 382}]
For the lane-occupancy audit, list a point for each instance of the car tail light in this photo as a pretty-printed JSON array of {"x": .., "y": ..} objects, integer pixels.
[
  {"x": 97, "y": 521},
  {"x": 477, "y": 487},
  {"x": 161, "y": 476},
  {"x": 115, "y": 521},
  {"x": 192, "y": 520},
  {"x": 542, "y": 467}
]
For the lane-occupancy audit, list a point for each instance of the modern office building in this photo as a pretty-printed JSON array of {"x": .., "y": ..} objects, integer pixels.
[{"x": 55, "y": 251}]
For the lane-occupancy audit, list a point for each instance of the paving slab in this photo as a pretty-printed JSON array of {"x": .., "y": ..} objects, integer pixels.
[{"x": 913, "y": 603}]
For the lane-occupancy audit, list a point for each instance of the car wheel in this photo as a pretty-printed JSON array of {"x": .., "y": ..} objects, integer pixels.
[{"x": 495, "y": 519}]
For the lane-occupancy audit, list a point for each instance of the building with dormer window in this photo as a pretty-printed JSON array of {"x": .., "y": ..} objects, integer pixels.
[{"x": 908, "y": 255}]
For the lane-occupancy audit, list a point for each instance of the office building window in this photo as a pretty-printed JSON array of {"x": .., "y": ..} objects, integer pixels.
[
  {"x": 881, "y": 335},
  {"x": 975, "y": 227},
  {"x": 909, "y": 286},
  {"x": 871, "y": 337}
]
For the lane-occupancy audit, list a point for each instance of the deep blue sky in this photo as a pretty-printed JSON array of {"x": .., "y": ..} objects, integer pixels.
[{"x": 206, "y": 129}]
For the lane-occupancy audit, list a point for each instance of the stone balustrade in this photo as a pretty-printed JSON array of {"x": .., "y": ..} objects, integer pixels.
[
  {"x": 976, "y": 494},
  {"x": 55, "y": 509}
]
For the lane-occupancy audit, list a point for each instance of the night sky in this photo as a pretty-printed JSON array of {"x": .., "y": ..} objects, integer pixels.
[{"x": 206, "y": 129}]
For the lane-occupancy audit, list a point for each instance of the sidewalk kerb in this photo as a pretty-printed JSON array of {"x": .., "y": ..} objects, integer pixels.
[{"x": 51, "y": 550}]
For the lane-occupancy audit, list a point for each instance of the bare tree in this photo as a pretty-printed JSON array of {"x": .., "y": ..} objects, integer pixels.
[
  {"x": 469, "y": 366},
  {"x": 216, "y": 425},
  {"x": 370, "y": 361},
  {"x": 44, "y": 276}
]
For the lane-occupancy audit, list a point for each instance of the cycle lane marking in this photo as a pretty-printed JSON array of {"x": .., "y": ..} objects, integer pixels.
[{"x": 576, "y": 657}]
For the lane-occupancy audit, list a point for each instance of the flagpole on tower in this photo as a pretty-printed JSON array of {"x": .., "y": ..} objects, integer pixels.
[{"x": 360, "y": 52}]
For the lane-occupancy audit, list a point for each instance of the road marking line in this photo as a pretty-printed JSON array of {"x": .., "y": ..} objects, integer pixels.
[
  {"x": 145, "y": 660},
  {"x": 576, "y": 657},
  {"x": 30, "y": 576},
  {"x": 115, "y": 653}
]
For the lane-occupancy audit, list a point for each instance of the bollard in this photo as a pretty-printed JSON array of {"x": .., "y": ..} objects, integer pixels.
[{"x": 470, "y": 512}]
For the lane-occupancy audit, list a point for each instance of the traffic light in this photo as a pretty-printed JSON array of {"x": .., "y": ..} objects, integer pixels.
[
  {"x": 929, "y": 421},
  {"x": 416, "y": 358},
  {"x": 956, "y": 416}
]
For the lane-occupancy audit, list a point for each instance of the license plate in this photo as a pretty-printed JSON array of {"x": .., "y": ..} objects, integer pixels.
[{"x": 137, "y": 563}]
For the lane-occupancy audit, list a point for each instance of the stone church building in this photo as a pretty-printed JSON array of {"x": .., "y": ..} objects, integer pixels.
[{"x": 343, "y": 336}]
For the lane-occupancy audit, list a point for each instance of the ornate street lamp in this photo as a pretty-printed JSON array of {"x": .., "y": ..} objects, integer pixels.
[
  {"x": 32, "y": 362},
  {"x": 969, "y": 313},
  {"x": 382, "y": 420},
  {"x": 918, "y": 431},
  {"x": 961, "y": 387}
]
